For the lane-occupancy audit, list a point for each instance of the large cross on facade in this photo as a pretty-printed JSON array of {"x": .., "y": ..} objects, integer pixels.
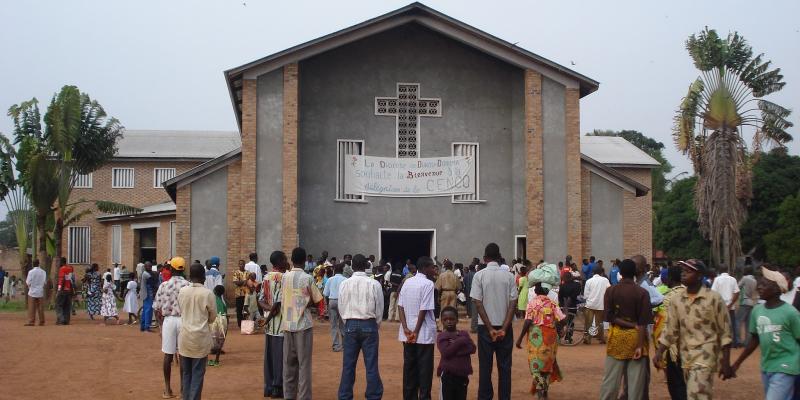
[{"x": 407, "y": 108}]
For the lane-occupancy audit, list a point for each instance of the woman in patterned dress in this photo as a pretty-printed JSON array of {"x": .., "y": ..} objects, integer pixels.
[
  {"x": 541, "y": 316},
  {"x": 108, "y": 308},
  {"x": 93, "y": 287}
]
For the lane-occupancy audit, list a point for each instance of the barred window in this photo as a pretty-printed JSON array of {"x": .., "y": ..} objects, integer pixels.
[
  {"x": 122, "y": 178},
  {"x": 116, "y": 244},
  {"x": 346, "y": 147},
  {"x": 83, "y": 181},
  {"x": 79, "y": 245},
  {"x": 161, "y": 175},
  {"x": 472, "y": 150}
]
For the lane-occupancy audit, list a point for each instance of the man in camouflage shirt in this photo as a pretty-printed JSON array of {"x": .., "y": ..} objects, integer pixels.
[{"x": 698, "y": 323}]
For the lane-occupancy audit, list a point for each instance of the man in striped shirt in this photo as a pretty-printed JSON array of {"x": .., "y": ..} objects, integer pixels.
[
  {"x": 415, "y": 307},
  {"x": 270, "y": 301}
]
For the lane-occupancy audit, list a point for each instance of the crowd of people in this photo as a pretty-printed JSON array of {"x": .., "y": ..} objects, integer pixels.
[{"x": 682, "y": 317}]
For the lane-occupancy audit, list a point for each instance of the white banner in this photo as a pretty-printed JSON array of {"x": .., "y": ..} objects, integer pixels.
[{"x": 409, "y": 177}]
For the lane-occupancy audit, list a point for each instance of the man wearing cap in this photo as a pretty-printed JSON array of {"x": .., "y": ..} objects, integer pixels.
[
  {"x": 168, "y": 312},
  {"x": 213, "y": 276},
  {"x": 775, "y": 327},
  {"x": 698, "y": 323}
]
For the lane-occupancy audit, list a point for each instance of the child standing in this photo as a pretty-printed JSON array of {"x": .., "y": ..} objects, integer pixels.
[
  {"x": 775, "y": 326},
  {"x": 131, "y": 300},
  {"x": 108, "y": 309},
  {"x": 540, "y": 327},
  {"x": 455, "y": 366},
  {"x": 219, "y": 328}
]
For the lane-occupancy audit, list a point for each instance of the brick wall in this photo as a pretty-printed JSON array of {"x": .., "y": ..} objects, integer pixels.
[
  {"x": 638, "y": 216},
  {"x": 534, "y": 179},
  {"x": 235, "y": 252},
  {"x": 290, "y": 104},
  {"x": 586, "y": 212},
  {"x": 247, "y": 235},
  {"x": 183, "y": 220},
  {"x": 142, "y": 194},
  {"x": 573, "y": 159}
]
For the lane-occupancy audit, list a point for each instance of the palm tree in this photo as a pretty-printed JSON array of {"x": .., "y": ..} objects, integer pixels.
[
  {"x": 725, "y": 100},
  {"x": 77, "y": 139}
]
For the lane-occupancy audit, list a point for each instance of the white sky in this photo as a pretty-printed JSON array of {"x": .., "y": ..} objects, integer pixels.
[{"x": 158, "y": 64}]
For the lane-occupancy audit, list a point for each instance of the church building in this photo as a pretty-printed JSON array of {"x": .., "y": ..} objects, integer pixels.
[{"x": 414, "y": 87}]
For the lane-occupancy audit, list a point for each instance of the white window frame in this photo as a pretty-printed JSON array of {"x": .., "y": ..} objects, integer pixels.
[
  {"x": 173, "y": 238},
  {"x": 116, "y": 244},
  {"x": 158, "y": 175},
  {"x": 82, "y": 181},
  {"x": 476, "y": 197},
  {"x": 86, "y": 248},
  {"x": 132, "y": 178},
  {"x": 340, "y": 195}
]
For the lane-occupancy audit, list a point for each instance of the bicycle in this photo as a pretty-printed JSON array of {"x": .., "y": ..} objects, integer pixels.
[{"x": 571, "y": 330}]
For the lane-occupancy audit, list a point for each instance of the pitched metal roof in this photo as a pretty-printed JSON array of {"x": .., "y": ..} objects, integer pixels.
[
  {"x": 615, "y": 151},
  {"x": 171, "y": 186},
  {"x": 201, "y": 145},
  {"x": 412, "y": 13}
]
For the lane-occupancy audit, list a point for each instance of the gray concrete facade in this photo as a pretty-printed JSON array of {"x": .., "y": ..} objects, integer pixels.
[
  {"x": 269, "y": 163},
  {"x": 607, "y": 242},
  {"x": 555, "y": 170},
  {"x": 482, "y": 102},
  {"x": 209, "y": 231}
]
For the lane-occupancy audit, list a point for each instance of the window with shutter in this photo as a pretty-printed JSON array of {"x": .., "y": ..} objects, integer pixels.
[
  {"x": 345, "y": 148},
  {"x": 122, "y": 178},
  {"x": 473, "y": 150}
]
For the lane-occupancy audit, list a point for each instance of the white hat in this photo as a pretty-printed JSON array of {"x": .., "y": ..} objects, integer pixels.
[
  {"x": 154, "y": 269},
  {"x": 776, "y": 277}
]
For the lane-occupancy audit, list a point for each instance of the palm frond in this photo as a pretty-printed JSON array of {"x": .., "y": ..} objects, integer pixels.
[
  {"x": 111, "y": 207},
  {"x": 684, "y": 129},
  {"x": 73, "y": 217}
]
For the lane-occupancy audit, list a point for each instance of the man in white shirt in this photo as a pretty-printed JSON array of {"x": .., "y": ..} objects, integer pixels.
[
  {"x": 594, "y": 292},
  {"x": 35, "y": 280},
  {"x": 728, "y": 289},
  {"x": 117, "y": 277},
  {"x": 361, "y": 307},
  {"x": 252, "y": 266},
  {"x": 415, "y": 307}
]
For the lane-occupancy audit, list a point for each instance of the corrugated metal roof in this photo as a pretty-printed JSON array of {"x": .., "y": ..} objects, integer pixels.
[
  {"x": 149, "y": 211},
  {"x": 615, "y": 151},
  {"x": 176, "y": 144}
]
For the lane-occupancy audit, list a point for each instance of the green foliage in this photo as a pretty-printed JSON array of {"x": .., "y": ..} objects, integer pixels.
[
  {"x": 650, "y": 146},
  {"x": 677, "y": 232},
  {"x": 782, "y": 243},
  {"x": 8, "y": 234},
  {"x": 776, "y": 176}
]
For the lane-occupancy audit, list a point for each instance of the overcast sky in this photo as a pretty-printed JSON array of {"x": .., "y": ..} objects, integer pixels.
[{"x": 158, "y": 64}]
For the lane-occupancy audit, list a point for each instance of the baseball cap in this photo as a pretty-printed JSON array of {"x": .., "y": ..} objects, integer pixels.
[
  {"x": 178, "y": 263},
  {"x": 694, "y": 264},
  {"x": 214, "y": 261}
]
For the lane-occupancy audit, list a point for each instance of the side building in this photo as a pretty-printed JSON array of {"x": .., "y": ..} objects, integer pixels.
[{"x": 145, "y": 159}]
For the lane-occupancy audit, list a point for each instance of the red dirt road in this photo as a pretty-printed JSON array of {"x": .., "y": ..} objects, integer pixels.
[{"x": 87, "y": 361}]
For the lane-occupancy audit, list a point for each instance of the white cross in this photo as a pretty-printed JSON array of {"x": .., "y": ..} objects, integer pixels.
[{"x": 407, "y": 108}]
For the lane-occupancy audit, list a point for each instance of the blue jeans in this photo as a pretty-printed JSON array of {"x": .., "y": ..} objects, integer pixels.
[
  {"x": 193, "y": 370},
  {"x": 778, "y": 386},
  {"x": 147, "y": 314},
  {"x": 360, "y": 336}
]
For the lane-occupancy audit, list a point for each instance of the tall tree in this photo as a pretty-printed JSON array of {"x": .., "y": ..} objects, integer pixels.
[
  {"x": 678, "y": 234},
  {"x": 775, "y": 177},
  {"x": 728, "y": 97},
  {"x": 650, "y": 146},
  {"x": 77, "y": 139},
  {"x": 784, "y": 240}
]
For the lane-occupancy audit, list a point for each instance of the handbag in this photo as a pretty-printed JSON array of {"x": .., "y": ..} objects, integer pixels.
[{"x": 248, "y": 327}]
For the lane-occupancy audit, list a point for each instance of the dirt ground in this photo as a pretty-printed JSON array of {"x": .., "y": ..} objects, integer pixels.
[{"x": 87, "y": 361}]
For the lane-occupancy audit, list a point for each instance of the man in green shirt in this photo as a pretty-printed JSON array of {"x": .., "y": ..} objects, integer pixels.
[{"x": 775, "y": 326}]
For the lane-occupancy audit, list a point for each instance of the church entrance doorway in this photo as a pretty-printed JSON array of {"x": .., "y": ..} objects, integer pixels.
[
  {"x": 399, "y": 245},
  {"x": 145, "y": 244}
]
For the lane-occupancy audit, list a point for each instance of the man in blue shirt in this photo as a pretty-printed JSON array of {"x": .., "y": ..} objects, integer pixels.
[
  {"x": 331, "y": 292},
  {"x": 588, "y": 268},
  {"x": 613, "y": 276}
]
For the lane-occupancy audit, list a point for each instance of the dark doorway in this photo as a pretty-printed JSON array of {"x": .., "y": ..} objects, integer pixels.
[
  {"x": 146, "y": 245},
  {"x": 399, "y": 246}
]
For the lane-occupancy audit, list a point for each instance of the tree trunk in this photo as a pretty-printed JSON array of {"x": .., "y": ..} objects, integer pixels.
[{"x": 44, "y": 259}]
